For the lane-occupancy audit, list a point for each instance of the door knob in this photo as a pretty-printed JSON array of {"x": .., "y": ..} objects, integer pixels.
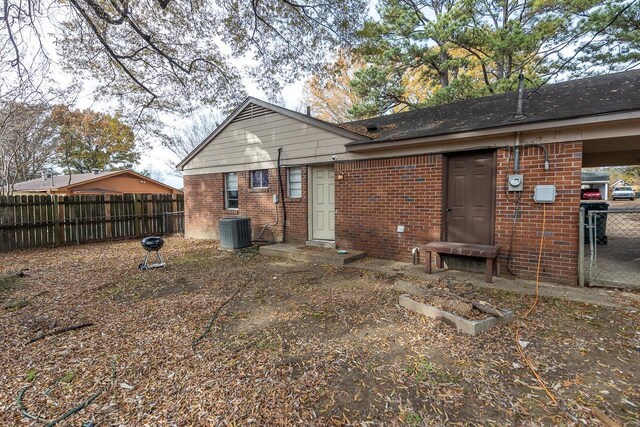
[{"x": 449, "y": 209}]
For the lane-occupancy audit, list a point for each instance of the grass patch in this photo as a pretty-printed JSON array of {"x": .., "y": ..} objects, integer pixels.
[
  {"x": 194, "y": 260},
  {"x": 11, "y": 282},
  {"x": 30, "y": 375},
  {"x": 267, "y": 341},
  {"x": 68, "y": 377},
  {"x": 113, "y": 292},
  {"x": 410, "y": 418},
  {"x": 308, "y": 310},
  {"x": 422, "y": 369}
]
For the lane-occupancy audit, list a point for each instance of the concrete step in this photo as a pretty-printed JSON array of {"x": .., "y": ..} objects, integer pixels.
[{"x": 311, "y": 254}]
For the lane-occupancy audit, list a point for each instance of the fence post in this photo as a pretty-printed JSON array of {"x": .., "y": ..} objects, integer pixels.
[
  {"x": 137, "y": 217},
  {"x": 581, "y": 247},
  {"x": 77, "y": 231},
  {"x": 57, "y": 217},
  {"x": 164, "y": 223},
  {"x": 592, "y": 245},
  {"x": 175, "y": 217},
  {"x": 107, "y": 217}
]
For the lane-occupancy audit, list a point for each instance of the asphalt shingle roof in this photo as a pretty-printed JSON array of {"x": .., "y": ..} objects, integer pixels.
[
  {"x": 58, "y": 181},
  {"x": 595, "y": 176},
  {"x": 604, "y": 94}
]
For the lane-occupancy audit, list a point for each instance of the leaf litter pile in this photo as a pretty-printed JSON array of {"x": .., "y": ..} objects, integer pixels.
[{"x": 221, "y": 338}]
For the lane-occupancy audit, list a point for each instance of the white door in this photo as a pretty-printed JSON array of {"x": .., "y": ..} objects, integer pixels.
[{"x": 323, "y": 204}]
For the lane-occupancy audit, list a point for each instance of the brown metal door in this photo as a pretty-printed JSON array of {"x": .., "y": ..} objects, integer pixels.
[{"x": 470, "y": 198}]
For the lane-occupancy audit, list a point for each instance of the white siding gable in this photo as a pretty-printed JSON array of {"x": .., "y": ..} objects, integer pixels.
[{"x": 251, "y": 141}]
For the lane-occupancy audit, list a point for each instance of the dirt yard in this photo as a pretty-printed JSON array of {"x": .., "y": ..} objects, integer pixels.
[{"x": 300, "y": 344}]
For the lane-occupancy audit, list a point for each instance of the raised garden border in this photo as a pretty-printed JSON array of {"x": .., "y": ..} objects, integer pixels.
[{"x": 471, "y": 327}]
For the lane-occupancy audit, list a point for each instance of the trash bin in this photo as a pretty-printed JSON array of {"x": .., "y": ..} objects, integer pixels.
[{"x": 600, "y": 221}]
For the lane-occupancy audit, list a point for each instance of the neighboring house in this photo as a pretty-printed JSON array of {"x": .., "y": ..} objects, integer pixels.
[
  {"x": 597, "y": 180},
  {"x": 392, "y": 183},
  {"x": 114, "y": 182}
]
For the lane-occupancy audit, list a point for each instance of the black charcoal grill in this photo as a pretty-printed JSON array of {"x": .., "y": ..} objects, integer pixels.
[{"x": 152, "y": 244}]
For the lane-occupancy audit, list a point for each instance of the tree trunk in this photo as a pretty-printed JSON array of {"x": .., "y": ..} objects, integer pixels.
[{"x": 444, "y": 70}]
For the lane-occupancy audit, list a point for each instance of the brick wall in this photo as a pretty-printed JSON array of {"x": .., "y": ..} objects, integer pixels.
[
  {"x": 560, "y": 249},
  {"x": 203, "y": 202},
  {"x": 204, "y": 205},
  {"x": 375, "y": 196}
]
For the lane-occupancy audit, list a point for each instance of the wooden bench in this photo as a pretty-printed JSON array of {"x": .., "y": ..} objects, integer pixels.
[{"x": 489, "y": 253}]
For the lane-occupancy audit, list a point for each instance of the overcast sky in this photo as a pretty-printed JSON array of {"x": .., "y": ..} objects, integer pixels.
[{"x": 157, "y": 159}]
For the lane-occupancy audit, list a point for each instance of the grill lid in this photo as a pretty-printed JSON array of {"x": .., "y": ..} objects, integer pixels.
[{"x": 152, "y": 243}]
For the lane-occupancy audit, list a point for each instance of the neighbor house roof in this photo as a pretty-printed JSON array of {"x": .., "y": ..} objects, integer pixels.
[
  {"x": 590, "y": 96},
  {"x": 59, "y": 181},
  {"x": 62, "y": 183},
  {"x": 595, "y": 176}
]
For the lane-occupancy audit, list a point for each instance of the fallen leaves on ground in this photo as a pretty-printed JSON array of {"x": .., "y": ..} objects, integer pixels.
[{"x": 301, "y": 344}]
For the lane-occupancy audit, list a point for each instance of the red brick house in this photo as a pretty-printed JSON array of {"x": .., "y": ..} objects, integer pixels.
[{"x": 389, "y": 184}]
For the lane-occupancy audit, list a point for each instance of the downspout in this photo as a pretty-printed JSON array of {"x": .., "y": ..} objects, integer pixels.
[{"x": 284, "y": 207}]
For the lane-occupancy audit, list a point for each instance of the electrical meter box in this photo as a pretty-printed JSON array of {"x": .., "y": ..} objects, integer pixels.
[
  {"x": 515, "y": 182},
  {"x": 544, "y": 194}
]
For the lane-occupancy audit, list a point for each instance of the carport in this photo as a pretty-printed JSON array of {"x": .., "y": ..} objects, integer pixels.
[
  {"x": 597, "y": 180},
  {"x": 610, "y": 250}
]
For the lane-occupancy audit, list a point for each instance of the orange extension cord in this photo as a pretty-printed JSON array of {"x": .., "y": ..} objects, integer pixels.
[{"x": 535, "y": 302}]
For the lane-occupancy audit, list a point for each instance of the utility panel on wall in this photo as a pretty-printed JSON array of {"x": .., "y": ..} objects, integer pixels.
[
  {"x": 515, "y": 182},
  {"x": 544, "y": 194}
]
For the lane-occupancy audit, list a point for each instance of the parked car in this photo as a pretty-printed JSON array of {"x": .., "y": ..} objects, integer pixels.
[
  {"x": 623, "y": 193},
  {"x": 590, "y": 194}
]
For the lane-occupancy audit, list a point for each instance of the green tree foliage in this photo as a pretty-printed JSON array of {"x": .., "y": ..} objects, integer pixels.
[
  {"x": 614, "y": 28},
  {"x": 460, "y": 49},
  {"x": 90, "y": 140},
  {"x": 630, "y": 175},
  {"x": 174, "y": 55}
]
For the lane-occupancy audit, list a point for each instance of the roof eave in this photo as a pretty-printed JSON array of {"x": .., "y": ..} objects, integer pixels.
[{"x": 382, "y": 144}]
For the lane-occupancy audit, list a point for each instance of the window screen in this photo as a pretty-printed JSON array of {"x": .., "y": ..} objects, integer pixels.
[
  {"x": 295, "y": 182},
  {"x": 231, "y": 191}
]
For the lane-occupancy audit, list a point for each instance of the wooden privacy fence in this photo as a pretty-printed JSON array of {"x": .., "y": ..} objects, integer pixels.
[{"x": 34, "y": 221}]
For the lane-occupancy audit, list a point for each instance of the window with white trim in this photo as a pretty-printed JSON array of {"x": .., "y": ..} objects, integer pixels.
[
  {"x": 294, "y": 182},
  {"x": 231, "y": 190},
  {"x": 260, "y": 178}
]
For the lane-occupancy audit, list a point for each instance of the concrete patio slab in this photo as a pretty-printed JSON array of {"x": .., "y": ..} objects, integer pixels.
[
  {"x": 311, "y": 254},
  {"x": 596, "y": 296}
]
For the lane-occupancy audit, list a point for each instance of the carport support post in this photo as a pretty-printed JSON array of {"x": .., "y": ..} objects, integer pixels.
[{"x": 581, "y": 247}]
